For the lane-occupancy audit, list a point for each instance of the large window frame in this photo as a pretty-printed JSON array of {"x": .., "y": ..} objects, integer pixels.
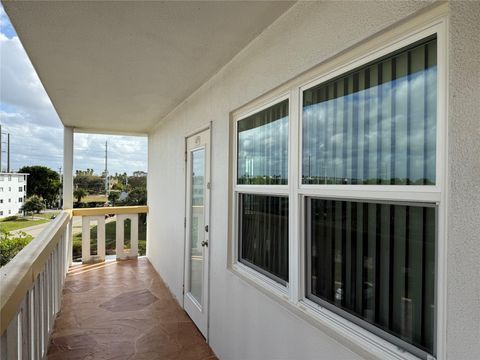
[
  {"x": 293, "y": 294},
  {"x": 259, "y": 276}
]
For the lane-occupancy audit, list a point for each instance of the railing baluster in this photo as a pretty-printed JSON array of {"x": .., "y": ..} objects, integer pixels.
[
  {"x": 86, "y": 251},
  {"x": 13, "y": 339},
  {"x": 25, "y": 329},
  {"x": 37, "y": 310},
  {"x": 43, "y": 312},
  {"x": 120, "y": 237},
  {"x": 86, "y": 239}
]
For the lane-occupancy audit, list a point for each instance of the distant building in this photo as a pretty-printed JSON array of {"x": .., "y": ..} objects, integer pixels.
[
  {"x": 139, "y": 173},
  {"x": 13, "y": 192}
]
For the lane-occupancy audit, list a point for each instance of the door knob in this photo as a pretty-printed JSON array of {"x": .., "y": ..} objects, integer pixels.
[{"x": 205, "y": 243}]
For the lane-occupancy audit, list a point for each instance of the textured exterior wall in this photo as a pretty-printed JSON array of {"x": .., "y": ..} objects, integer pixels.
[
  {"x": 463, "y": 242},
  {"x": 245, "y": 323}
]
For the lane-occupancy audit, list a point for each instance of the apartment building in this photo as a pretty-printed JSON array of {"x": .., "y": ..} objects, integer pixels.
[{"x": 13, "y": 192}]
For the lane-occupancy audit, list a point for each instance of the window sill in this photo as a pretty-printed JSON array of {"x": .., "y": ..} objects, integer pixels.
[
  {"x": 350, "y": 335},
  {"x": 260, "y": 281}
]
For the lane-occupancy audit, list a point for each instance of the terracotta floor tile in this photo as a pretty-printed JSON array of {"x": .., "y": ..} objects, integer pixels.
[{"x": 123, "y": 310}]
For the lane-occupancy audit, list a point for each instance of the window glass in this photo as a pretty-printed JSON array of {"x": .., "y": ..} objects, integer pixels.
[
  {"x": 262, "y": 154},
  {"x": 374, "y": 125},
  {"x": 263, "y": 234},
  {"x": 375, "y": 262}
]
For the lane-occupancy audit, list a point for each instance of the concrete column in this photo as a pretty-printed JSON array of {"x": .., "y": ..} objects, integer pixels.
[{"x": 68, "y": 167}]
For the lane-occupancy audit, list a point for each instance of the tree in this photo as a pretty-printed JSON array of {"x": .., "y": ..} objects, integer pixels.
[
  {"x": 33, "y": 204},
  {"x": 79, "y": 194},
  {"x": 113, "y": 197},
  {"x": 93, "y": 184},
  {"x": 43, "y": 182},
  {"x": 137, "y": 196},
  {"x": 135, "y": 182}
]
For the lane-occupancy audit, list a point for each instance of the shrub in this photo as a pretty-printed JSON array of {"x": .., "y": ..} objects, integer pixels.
[
  {"x": 33, "y": 204},
  {"x": 10, "y": 245},
  {"x": 11, "y": 218}
]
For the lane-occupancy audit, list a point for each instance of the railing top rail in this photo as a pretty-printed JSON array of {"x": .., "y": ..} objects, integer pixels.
[
  {"x": 110, "y": 210},
  {"x": 19, "y": 274}
]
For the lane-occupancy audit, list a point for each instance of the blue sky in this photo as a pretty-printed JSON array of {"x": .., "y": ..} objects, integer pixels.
[{"x": 36, "y": 132}]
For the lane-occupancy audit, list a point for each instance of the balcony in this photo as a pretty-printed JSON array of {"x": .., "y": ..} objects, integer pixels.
[{"x": 116, "y": 309}]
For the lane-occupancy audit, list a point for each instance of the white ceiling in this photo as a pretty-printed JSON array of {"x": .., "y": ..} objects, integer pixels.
[{"x": 122, "y": 66}]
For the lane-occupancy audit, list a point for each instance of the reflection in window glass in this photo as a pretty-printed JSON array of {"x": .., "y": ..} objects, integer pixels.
[
  {"x": 375, "y": 125},
  {"x": 377, "y": 263},
  {"x": 263, "y": 146},
  {"x": 263, "y": 234}
]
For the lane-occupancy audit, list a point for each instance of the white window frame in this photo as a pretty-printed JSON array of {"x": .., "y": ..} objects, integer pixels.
[
  {"x": 272, "y": 190},
  {"x": 293, "y": 296}
]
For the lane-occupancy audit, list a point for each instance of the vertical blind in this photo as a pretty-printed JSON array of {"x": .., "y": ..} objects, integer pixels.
[
  {"x": 263, "y": 234},
  {"x": 262, "y": 153},
  {"x": 376, "y": 124},
  {"x": 376, "y": 262}
]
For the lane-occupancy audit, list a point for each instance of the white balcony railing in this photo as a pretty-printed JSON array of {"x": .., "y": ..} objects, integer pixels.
[{"x": 32, "y": 282}]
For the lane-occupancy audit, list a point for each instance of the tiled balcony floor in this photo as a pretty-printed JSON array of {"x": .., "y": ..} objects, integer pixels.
[{"x": 122, "y": 310}]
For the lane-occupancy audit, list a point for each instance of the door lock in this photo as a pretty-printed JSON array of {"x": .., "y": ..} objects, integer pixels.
[{"x": 205, "y": 243}]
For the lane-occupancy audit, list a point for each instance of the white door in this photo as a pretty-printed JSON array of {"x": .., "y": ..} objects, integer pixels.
[{"x": 195, "y": 298}]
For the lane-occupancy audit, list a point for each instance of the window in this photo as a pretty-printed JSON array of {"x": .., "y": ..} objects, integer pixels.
[
  {"x": 20, "y": 188},
  {"x": 9, "y": 188},
  {"x": 1, "y": 189},
  {"x": 1, "y": 201},
  {"x": 374, "y": 125},
  {"x": 374, "y": 262},
  {"x": 354, "y": 172},
  {"x": 263, "y": 146},
  {"x": 9, "y": 177},
  {"x": 1, "y": 213},
  {"x": 263, "y": 234},
  {"x": 9, "y": 200},
  {"x": 20, "y": 200},
  {"x": 262, "y": 161}
]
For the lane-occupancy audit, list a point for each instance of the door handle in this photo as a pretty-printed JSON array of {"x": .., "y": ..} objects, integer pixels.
[{"x": 205, "y": 243}]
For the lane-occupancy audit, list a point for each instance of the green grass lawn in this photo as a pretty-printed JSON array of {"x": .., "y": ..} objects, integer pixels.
[
  {"x": 48, "y": 215},
  {"x": 110, "y": 241},
  {"x": 21, "y": 223},
  {"x": 95, "y": 198}
]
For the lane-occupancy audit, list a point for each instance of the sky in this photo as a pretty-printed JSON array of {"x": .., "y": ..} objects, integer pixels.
[{"x": 36, "y": 132}]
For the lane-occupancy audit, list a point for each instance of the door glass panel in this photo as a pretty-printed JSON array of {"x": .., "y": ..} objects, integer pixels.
[{"x": 197, "y": 234}]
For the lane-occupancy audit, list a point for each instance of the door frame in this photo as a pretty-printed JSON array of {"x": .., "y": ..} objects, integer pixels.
[{"x": 186, "y": 214}]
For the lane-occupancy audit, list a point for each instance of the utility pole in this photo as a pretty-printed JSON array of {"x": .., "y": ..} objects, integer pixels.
[
  {"x": 106, "y": 168},
  {"x": 1, "y": 149},
  {"x": 8, "y": 152}
]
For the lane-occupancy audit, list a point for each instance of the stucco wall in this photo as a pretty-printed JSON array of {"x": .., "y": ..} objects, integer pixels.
[
  {"x": 463, "y": 242},
  {"x": 244, "y": 323}
]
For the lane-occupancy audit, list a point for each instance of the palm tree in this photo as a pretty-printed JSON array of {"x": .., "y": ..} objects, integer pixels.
[{"x": 79, "y": 194}]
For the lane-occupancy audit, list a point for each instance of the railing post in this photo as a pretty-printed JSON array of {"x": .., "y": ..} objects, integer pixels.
[
  {"x": 120, "y": 237},
  {"x": 86, "y": 252}
]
